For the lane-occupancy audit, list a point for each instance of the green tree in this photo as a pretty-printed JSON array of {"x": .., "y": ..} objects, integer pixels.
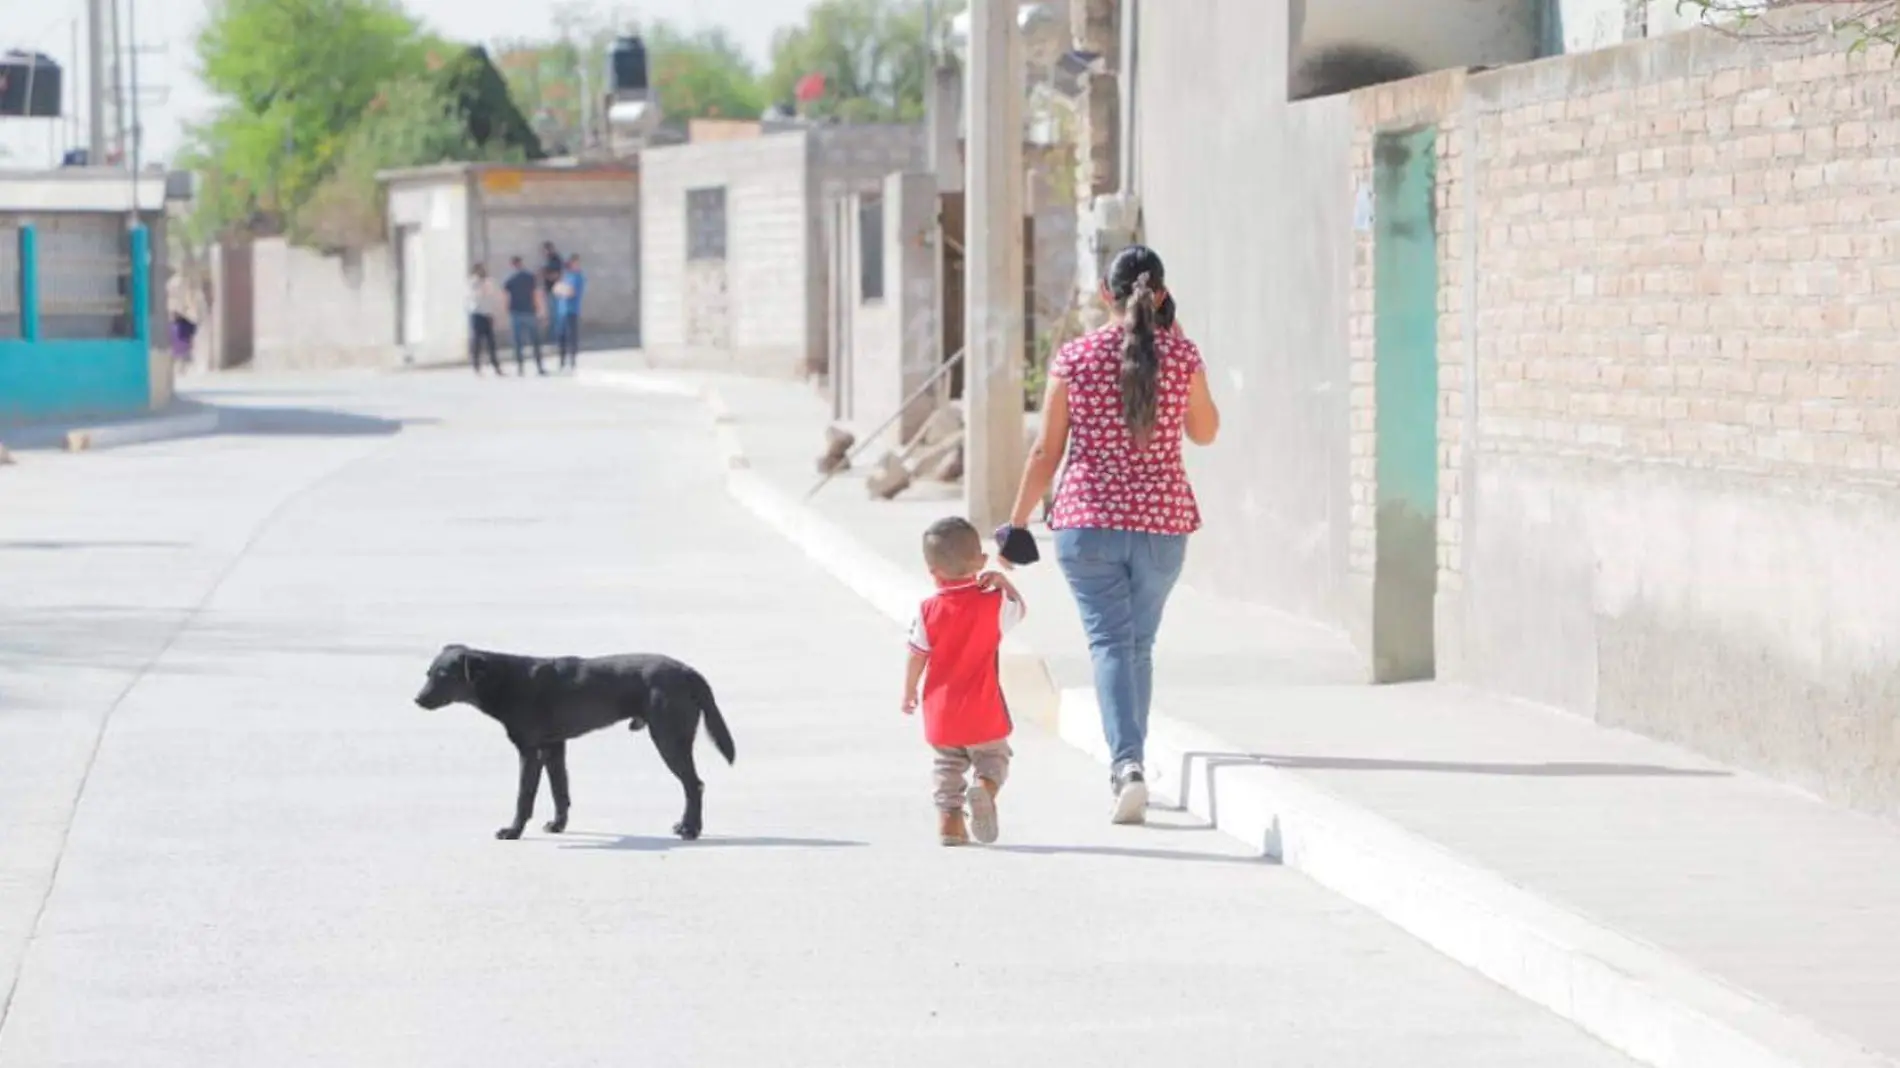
[
  {"x": 873, "y": 55},
  {"x": 295, "y": 75},
  {"x": 698, "y": 74},
  {"x": 702, "y": 75},
  {"x": 459, "y": 112}
]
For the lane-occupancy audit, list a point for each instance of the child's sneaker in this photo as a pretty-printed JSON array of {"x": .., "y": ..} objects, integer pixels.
[
  {"x": 950, "y": 830},
  {"x": 982, "y": 801}
]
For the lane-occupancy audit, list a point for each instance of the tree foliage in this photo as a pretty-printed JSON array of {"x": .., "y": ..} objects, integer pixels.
[
  {"x": 1859, "y": 23},
  {"x": 698, "y": 74},
  {"x": 872, "y": 54},
  {"x": 319, "y": 94},
  {"x": 458, "y": 112},
  {"x": 702, "y": 75}
]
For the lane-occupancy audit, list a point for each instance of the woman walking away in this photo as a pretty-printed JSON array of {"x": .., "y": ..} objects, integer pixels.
[
  {"x": 181, "y": 299},
  {"x": 1119, "y": 402}
]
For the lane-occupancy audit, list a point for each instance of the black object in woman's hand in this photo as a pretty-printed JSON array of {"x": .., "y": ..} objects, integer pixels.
[{"x": 1017, "y": 545}]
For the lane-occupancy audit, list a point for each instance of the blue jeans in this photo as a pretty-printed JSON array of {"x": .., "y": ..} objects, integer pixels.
[
  {"x": 1121, "y": 580},
  {"x": 524, "y": 326}
]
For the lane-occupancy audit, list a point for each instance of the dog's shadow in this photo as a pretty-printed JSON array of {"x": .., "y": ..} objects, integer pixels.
[{"x": 640, "y": 843}]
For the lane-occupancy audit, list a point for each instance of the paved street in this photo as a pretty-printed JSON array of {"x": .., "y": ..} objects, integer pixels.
[{"x": 227, "y": 837}]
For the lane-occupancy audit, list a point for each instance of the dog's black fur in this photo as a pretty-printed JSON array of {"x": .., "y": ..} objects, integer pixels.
[{"x": 542, "y": 703}]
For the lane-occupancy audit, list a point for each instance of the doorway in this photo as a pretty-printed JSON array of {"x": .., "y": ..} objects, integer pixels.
[{"x": 1405, "y": 315}]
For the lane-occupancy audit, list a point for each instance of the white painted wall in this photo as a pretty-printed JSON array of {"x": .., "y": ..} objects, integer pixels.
[{"x": 438, "y": 207}]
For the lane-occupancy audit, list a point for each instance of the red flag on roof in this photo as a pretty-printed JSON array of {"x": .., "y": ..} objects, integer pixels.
[{"x": 810, "y": 87}]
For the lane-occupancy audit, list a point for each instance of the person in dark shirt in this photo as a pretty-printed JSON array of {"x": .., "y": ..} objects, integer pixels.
[
  {"x": 526, "y": 300},
  {"x": 553, "y": 266}
]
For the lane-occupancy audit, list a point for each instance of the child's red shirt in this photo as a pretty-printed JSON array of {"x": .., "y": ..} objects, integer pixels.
[{"x": 960, "y": 628}]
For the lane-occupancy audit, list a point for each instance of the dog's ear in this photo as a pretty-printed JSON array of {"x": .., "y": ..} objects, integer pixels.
[{"x": 474, "y": 665}]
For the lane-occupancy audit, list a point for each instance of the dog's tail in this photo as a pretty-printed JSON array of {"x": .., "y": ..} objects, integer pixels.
[{"x": 715, "y": 723}]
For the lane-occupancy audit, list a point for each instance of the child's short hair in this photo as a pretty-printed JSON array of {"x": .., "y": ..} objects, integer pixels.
[{"x": 953, "y": 547}]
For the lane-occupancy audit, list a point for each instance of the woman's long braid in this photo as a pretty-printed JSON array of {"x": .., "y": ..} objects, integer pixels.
[{"x": 1141, "y": 363}]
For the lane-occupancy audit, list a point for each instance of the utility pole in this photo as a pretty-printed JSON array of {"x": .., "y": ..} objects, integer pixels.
[
  {"x": 132, "y": 52},
  {"x": 993, "y": 263},
  {"x": 96, "y": 31}
]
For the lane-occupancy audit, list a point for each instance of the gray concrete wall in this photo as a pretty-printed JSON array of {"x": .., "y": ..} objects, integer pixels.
[
  {"x": 591, "y": 213},
  {"x": 1336, "y": 43},
  {"x": 894, "y": 342},
  {"x": 316, "y": 311},
  {"x": 848, "y": 160},
  {"x": 438, "y": 207},
  {"x": 751, "y": 311},
  {"x": 1248, "y": 201}
]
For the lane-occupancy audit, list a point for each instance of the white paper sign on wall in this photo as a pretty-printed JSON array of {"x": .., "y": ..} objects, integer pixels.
[{"x": 1362, "y": 209}]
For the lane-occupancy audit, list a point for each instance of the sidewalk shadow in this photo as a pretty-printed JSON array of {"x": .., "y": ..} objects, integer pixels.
[
  {"x": 639, "y": 843},
  {"x": 1128, "y": 853},
  {"x": 234, "y": 420},
  {"x": 1552, "y": 769},
  {"x": 43, "y": 545},
  {"x": 244, "y": 421}
]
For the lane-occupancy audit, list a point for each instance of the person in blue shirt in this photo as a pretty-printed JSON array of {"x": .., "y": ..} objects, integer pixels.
[{"x": 567, "y": 312}]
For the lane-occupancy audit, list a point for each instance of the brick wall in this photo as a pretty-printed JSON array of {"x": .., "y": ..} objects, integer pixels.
[
  {"x": 1699, "y": 270},
  {"x": 1671, "y": 501}
]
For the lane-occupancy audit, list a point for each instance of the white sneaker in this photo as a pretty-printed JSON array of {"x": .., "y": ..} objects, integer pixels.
[{"x": 1131, "y": 796}]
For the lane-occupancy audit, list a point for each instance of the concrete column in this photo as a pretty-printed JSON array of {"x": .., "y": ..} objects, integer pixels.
[
  {"x": 942, "y": 117},
  {"x": 993, "y": 324}
]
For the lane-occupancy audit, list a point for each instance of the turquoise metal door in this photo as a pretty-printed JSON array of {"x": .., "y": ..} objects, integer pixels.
[{"x": 1405, "y": 310}]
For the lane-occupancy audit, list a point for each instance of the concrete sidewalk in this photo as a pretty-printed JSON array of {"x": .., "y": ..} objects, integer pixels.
[{"x": 1683, "y": 912}]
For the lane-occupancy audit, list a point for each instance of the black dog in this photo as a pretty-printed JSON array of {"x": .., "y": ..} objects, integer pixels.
[{"x": 542, "y": 703}]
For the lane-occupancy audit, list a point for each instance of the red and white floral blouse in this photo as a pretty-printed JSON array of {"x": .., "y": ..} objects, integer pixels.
[{"x": 1109, "y": 481}]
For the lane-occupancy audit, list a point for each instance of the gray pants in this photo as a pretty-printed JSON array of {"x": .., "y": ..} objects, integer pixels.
[{"x": 991, "y": 761}]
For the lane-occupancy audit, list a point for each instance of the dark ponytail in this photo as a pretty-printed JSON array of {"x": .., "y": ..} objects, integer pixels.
[
  {"x": 1141, "y": 364},
  {"x": 1133, "y": 277}
]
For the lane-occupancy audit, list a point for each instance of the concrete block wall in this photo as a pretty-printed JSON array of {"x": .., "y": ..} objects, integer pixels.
[
  {"x": 849, "y": 161},
  {"x": 318, "y": 311},
  {"x": 761, "y": 302},
  {"x": 593, "y": 213}
]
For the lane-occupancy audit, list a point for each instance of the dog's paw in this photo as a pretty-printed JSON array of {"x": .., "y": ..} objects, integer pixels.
[
  {"x": 508, "y": 834},
  {"x": 555, "y": 826},
  {"x": 685, "y": 831}
]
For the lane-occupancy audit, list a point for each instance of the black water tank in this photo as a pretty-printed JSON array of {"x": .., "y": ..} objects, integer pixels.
[
  {"x": 29, "y": 86},
  {"x": 627, "y": 65}
]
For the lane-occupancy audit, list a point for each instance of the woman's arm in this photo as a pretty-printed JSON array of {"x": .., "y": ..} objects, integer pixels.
[
  {"x": 1046, "y": 454},
  {"x": 1203, "y": 418}
]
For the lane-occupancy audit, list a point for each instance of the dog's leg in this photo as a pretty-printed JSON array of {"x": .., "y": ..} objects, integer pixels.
[
  {"x": 676, "y": 749},
  {"x": 524, "y": 794},
  {"x": 556, "y": 757}
]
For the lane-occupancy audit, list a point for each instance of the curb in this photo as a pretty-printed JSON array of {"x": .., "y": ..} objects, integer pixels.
[
  {"x": 1632, "y": 996},
  {"x": 141, "y": 432}
]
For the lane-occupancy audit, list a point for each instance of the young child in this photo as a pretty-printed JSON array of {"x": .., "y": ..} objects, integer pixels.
[{"x": 954, "y": 641}]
